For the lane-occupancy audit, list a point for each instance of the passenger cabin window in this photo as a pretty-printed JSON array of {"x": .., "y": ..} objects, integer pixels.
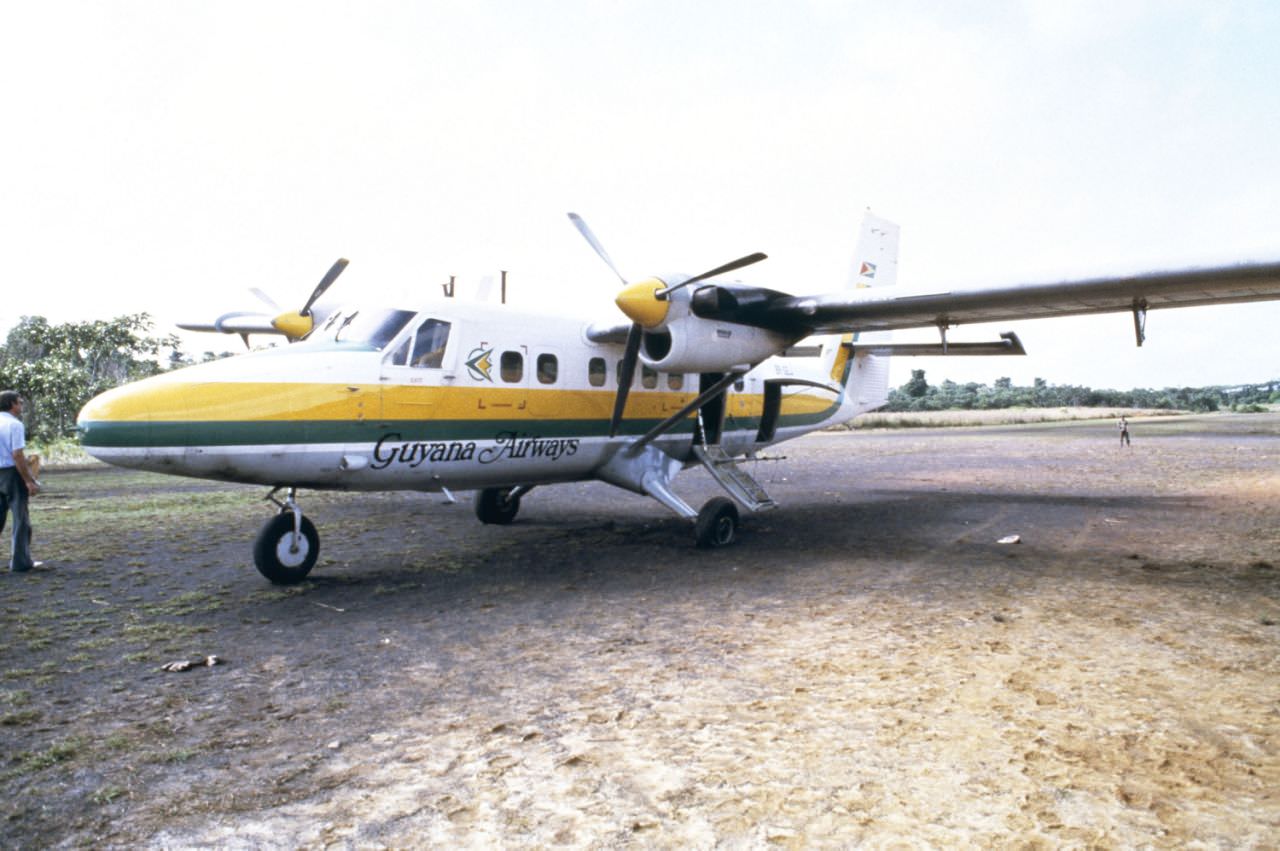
[
  {"x": 548, "y": 367},
  {"x": 648, "y": 377},
  {"x": 675, "y": 381},
  {"x": 511, "y": 367},
  {"x": 619, "y": 373},
  {"x": 597, "y": 372}
]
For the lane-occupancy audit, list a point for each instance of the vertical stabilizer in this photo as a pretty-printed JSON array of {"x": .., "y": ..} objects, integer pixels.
[
  {"x": 875, "y": 261},
  {"x": 875, "y": 264}
]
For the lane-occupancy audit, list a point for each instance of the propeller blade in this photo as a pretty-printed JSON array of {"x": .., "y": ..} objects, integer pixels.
[
  {"x": 266, "y": 299},
  {"x": 626, "y": 372},
  {"x": 595, "y": 243},
  {"x": 719, "y": 270},
  {"x": 332, "y": 275}
]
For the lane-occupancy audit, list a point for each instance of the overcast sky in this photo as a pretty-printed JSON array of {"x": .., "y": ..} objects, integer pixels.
[{"x": 166, "y": 156}]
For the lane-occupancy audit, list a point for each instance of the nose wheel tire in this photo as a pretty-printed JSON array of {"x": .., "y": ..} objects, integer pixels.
[
  {"x": 281, "y": 558},
  {"x": 717, "y": 524},
  {"x": 497, "y": 506}
]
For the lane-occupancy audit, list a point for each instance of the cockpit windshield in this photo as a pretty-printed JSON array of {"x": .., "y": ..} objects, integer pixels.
[{"x": 372, "y": 328}]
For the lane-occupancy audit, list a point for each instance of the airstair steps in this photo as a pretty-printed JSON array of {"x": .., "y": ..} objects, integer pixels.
[{"x": 736, "y": 481}]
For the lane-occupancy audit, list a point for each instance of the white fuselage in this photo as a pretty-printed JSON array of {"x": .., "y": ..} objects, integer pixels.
[{"x": 457, "y": 395}]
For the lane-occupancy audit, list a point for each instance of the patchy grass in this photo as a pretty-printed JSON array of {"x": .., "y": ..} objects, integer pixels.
[
  {"x": 176, "y": 756},
  {"x": 1000, "y": 416},
  {"x": 150, "y": 632},
  {"x": 18, "y": 697},
  {"x": 60, "y": 751},
  {"x": 119, "y": 742},
  {"x": 189, "y": 603},
  {"x": 107, "y": 794},
  {"x": 20, "y": 718}
]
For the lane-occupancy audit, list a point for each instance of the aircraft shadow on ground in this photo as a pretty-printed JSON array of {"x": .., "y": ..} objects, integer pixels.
[{"x": 574, "y": 552}]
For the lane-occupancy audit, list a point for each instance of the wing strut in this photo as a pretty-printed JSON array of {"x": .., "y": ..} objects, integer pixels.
[
  {"x": 1140, "y": 319},
  {"x": 707, "y": 395}
]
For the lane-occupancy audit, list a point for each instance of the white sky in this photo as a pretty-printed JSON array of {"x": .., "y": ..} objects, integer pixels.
[{"x": 165, "y": 156}]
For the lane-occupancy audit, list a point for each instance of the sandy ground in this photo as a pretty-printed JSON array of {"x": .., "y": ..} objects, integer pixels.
[{"x": 868, "y": 666}]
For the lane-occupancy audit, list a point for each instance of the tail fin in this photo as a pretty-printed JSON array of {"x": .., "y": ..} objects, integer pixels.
[
  {"x": 875, "y": 261},
  {"x": 875, "y": 264}
]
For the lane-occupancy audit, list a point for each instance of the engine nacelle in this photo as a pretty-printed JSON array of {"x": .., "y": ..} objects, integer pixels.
[{"x": 693, "y": 344}]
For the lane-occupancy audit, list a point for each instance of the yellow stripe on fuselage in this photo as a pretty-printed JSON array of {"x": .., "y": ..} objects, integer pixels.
[{"x": 172, "y": 401}]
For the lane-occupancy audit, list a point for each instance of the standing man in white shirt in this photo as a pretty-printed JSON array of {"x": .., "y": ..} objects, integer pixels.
[{"x": 16, "y": 481}]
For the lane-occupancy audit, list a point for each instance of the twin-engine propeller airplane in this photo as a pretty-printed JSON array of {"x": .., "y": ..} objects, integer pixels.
[{"x": 454, "y": 395}]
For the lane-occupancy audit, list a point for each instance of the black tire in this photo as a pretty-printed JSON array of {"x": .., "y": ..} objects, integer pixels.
[
  {"x": 717, "y": 524},
  {"x": 272, "y": 551},
  {"x": 497, "y": 506}
]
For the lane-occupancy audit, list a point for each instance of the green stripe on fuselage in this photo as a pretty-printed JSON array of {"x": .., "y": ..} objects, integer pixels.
[{"x": 138, "y": 435}]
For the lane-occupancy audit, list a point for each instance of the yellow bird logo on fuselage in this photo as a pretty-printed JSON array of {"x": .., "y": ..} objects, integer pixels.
[{"x": 479, "y": 363}]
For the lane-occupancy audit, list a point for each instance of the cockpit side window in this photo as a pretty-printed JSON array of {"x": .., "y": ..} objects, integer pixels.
[
  {"x": 400, "y": 356},
  {"x": 429, "y": 343}
]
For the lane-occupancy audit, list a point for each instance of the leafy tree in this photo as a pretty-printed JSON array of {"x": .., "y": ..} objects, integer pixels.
[
  {"x": 917, "y": 387},
  {"x": 1203, "y": 401},
  {"x": 58, "y": 368}
]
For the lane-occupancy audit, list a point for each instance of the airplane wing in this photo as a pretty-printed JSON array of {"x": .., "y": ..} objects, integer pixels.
[
  {"x": 254, "y": 322},
  {"x": 292, "y": 324},
  {"x": 238, "y": 322},
  {"x": 882, "y": 309}
]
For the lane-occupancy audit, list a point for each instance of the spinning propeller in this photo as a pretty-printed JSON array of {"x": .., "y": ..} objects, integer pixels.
[{"x": 646, "y": 303}]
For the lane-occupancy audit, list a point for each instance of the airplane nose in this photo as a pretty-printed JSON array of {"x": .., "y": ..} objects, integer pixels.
[{"x": 126, "y": 420}]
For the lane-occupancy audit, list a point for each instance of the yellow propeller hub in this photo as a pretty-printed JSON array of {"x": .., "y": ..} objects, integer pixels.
[
  {"x": 640, "y": 302},
  {"x": 293, "y": 324}
]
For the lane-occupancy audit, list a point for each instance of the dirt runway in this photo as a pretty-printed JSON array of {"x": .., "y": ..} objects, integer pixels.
[{"x": 867, "y": 666}]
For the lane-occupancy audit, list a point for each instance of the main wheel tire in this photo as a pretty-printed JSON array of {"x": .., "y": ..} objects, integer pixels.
[
  {"x": 717, "y": 524},
  {"x": 274, "y": 552},
  {"x": 497, "y": 506}
]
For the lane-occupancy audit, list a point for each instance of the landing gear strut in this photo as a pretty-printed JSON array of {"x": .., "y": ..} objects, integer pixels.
[{"x": 288, "y": 545}]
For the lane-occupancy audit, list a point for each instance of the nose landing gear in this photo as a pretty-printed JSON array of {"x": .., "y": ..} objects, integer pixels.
[{"x": 288, "y": 545}]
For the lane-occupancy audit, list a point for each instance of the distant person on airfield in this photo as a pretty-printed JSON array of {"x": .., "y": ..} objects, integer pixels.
[
  {"x": 1124, "y": 431},
  {"x": 17, "y": 482}
]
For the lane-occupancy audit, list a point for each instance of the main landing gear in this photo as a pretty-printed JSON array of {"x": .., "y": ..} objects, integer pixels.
[
  {"x": 717, "y": 523},
  {"x": 288, "y": 545},
  {"x": 499, "y": 506}
]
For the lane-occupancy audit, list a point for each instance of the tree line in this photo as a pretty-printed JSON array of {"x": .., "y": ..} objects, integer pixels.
[
  {"x": 919, "y": 395},
  {"x": 60, "y": 367}
]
